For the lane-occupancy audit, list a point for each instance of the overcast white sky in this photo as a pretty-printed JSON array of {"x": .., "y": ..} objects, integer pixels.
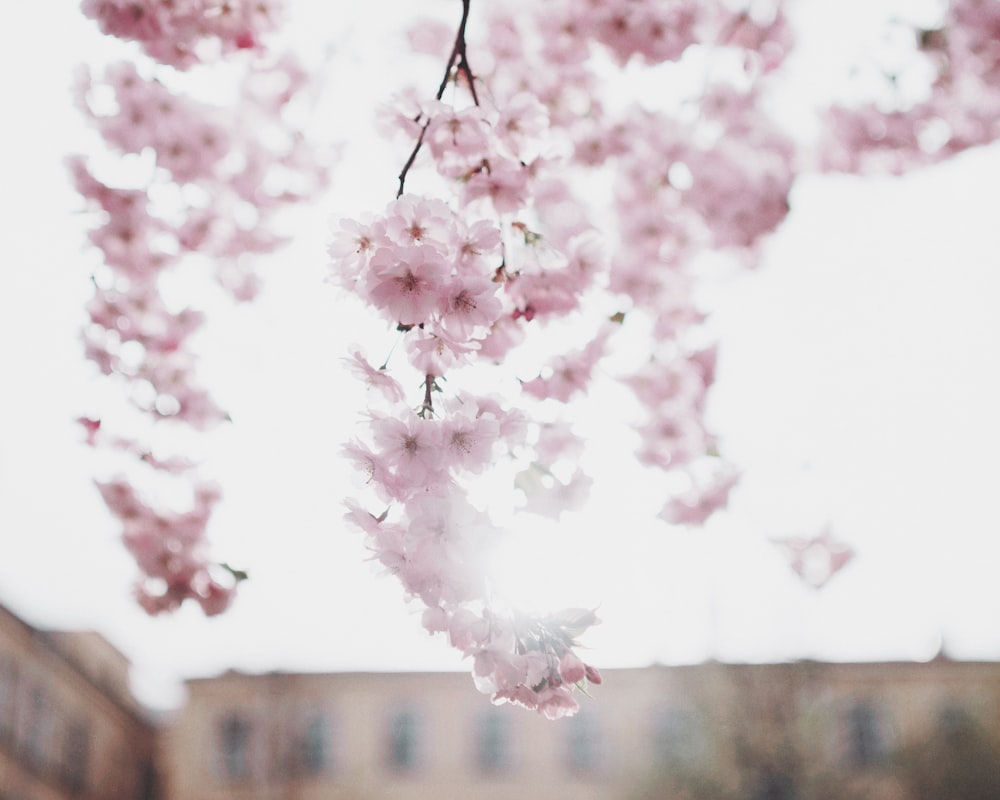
[{"x": 858, "y": 387}]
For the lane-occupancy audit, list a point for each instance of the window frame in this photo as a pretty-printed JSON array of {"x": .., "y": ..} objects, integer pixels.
[
  {"x": 226, "y": 755},
  {"x": 493, "y": 740},
  {"x": 403, "y": 752}
]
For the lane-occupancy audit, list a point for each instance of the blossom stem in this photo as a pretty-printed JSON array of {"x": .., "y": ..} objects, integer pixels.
[
  {"x": 457, "y": 60},
  {"x": 458, "y": 54},
  {"x": 428, "y": 406},
  {"x": 413, "y": 156}
]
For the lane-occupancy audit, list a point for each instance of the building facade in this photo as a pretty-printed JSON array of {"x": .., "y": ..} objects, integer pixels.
[
  {"x": 797, "y": 731},
  {"x": 69, "y": 727},
  {"x": 801, "y": 731}
]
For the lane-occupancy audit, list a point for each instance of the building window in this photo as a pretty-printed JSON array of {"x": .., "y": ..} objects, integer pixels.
[
  {"x": 147, "y": 785},
  {"x": 493, "y": 742},
  {"x": 585, "y": 744},
  {"x": 404, "y": 740},
  {"x": 36, "y": 728},
  {"x": 8, "y": 694},
  {"x": 954, "y": 719},
  {"x": 678, "y": 736},
  {"x": 773, "y": 784},
  {"x": 867, "y": 740},
  {"x": 314, "y": 757},
  {"x": 76, "y": 755},
  {"x": 234, "y": 747}
]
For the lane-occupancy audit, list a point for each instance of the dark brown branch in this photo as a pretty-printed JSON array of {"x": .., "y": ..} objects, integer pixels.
[
  {"x": 413, "y": 157},
  {"x": 457, "y": 60},
  {"x": 428, "y": 406},
  {"x": 458, "y": 54}
]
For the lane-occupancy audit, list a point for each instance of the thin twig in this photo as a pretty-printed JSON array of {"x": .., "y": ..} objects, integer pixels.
[
  {"x": 428, "y": 406},
  {"x": 457, "y": 60},
  {"x": 412, "y": 158}
]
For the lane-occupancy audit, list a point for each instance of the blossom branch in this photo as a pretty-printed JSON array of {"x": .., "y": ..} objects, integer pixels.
[
  {"x": 427, "y": 409},
  {"x": 134, "y": 335},
  {"x": 459, "y": 56}
]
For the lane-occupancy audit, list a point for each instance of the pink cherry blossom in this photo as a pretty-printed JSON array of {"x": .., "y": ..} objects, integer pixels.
[
  {"x": 476, "y": 241},
  {"x": 459, "y": 137},
  {"x": 412, "y": 221},
  {"x": 569, "y": 374},
  {"x": 436, "y": 351},
  {"x": 471, "y": 306},
  {"x": 548, "y": 496},
  {"x": 377, "y": 379},
  {"x": 502, "y": 181},
  {"x": 230, "y": 168},
  {"x": 406, "y": 282},
  {"x": 351, "y": 250},
  {"x": 697, "y": 504},
  {"x": 571, "y": 668},
  {"x": 469, "y": 441},
  {"x": 816, "y": 559},
  {"x": 467, "y": 631},
  {"x": 409, "y": 447}
]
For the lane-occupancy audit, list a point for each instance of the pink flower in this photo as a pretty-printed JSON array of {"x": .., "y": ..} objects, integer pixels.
[
  {"x": 593, "y": 675},
  {"x": 672, "y": 438},
  {"x": 467, "y": 631},
  {"x": 505, "y": 334},
  {"x": 817, "y": 559},
  {"x": 378, "y": 379},
  {"x": 92, "y": 427},
  {"x": 556, "y": 441},
  {"x": 363, "y": 519},
  {"x": 556, "y": 702},
  {"x": 457, "y": 135},
  {"x": 471, "y": 305},
  {"x": 569, "y": 374},
  {"x": 521, "y": 121},
  {"x": 214, "y": 598},
  {"x": 434, "y": 619},
  {"x": 658, "y": 31},
  {"x": 504, "y": 182},
  {"x": 430, "y": 37},
  {"x": 475, "y": 242},
  {"x": 414, "y": 220},
  {"x": 407, "y": 282},
  {"x": 696, "y": 505},
  {"x": 512, "y": 421},
  {"x": 350, "y": 251},
  {"x": 436, "y": 352},
  {"x": 371, "y": 469},
  {"x": 411, "y": 448},
  {"x": 159, "y": 602},
  {"x": 571, "y": 667},
  {"x": 468, "y": 441},
  {"x": 548, "y": 496},
  {"x": 499, "y": 669}
]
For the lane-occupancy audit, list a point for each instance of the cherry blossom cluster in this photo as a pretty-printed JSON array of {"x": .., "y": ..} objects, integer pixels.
[
  {"x": 476, "y": 275},
  {"x": 659, "y": 31},
  {"x": 437, "y": 276},
  {"x": 515, "y": 163},
  {"x": 183, "y": 33},
  {"x": 709, "y": 177},
  {"x": 464, "y": 277},
  {"x": 469, "y": 277},
  {"x": 961, "y": 108},
  {"x": 204, "y": 188},
  {"x": 816, "y": 559}
]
